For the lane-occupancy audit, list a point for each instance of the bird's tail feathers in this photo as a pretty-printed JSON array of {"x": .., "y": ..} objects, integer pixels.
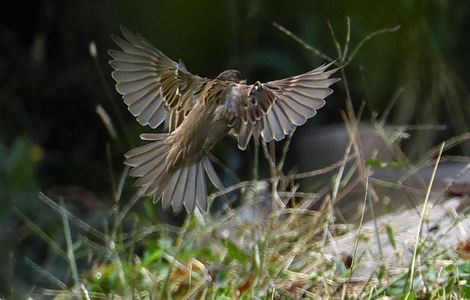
[{"x": 185, "y": 186}]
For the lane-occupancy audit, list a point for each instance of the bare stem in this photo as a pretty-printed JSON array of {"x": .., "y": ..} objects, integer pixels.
[{"x": 421, "y": 221}]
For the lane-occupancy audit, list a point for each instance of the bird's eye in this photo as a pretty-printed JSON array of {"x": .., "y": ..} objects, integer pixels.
[{"x": 253, "y": 101}]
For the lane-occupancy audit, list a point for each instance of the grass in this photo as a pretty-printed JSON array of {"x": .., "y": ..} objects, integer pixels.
[
  {"x": 282, "y": 256},
  {"x": 282, "y": 253}
]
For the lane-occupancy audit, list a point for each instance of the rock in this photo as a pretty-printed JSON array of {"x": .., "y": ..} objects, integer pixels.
[
  {"x": 395, "y": 187},
  {"x": 444, "y": 228}
]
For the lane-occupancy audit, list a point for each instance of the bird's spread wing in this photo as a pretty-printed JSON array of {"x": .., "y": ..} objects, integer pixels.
[
  {"x": 153, "y": 86},
  {"x": 275, "y": 108}
]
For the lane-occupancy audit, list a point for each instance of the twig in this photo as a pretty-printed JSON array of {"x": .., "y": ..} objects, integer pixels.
[
  {"x": 339, "y": 175},
  {"x": 68, "y": 239},
  {"x": 94, "y": 55},
  {"x": 137, "y": 196},
  {"x": 41, "y": 233},
  {"x": 367, "y": 38},
  {"x": 348, "y": 37},
  {"x": 72, "y": 217},
  {"x": 178, "y": 247},
  {"x": 428, "y": 155},
  {"x": 317, "y": 172},
  {"x": 335, "y": 41},
  {"x": 421, "y": 221},
  {"x": 356, "y": 243},
  {"x": 302, "y": 42},
  {"x": 225, "y": 169},
  {"x": 285, "y": 149},
  {"x": 45, "y": 273},
  {"x": 308, "y": 174},
  {"x": 390, "y": 105}
]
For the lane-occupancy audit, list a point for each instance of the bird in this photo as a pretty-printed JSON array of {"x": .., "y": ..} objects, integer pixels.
[{"x": 197, "y": 112}]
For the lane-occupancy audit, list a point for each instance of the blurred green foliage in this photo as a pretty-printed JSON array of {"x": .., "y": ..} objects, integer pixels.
[
  {"x": 18, "y": 189},
  {"x": 17, "y": 174}
]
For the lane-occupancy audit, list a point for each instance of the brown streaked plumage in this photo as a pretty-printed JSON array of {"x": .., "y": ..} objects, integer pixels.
[{"x": 198, "y": 112}]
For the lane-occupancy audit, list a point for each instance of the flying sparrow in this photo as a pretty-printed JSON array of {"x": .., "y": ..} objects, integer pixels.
[{"x": 198, "y": 112}]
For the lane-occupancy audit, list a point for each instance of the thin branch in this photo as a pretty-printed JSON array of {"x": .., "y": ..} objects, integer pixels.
[
  {"x": 421, "y": 221},
  {"x": 302, "y": 42},
  {"x": 367, "y": 38},
  {"x": 335, "y": 41},
  {"x": 308, "y": 174},
  {"x": 69, "y": 243},
  {"x": 358, "y": 236},
  {"x": 348, "y": 37}
]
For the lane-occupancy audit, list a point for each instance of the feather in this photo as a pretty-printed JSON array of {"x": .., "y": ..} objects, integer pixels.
[
  {"x": 151, "y": 178},
  {"x": 129, "y": 58},
  {"x": 147, "y": 164},
  {"x": 311, "y": 101},
  {"x": 283, "y": 121},
  {"x": 138, "y": 107},
  {"x": 153, "y": 136},
  {"x": 190, "y": 192},
  {"x": 135, "y": 153},
  {"x": 299, "y": 108},
  {"x": 201, "y": 193},
  {"x": 277, "y": 107},
  {"x": 246, "y": 130},
  {"x": 148, "y": 111},
  {"x": 151, "y": 84},
  {"x": 130, "y": 76},
  {"x": 212, "y": 174},
  {"x": 273, "y": 123},
  {"x": 294, "y": 117},
  {"x": 150, "y": 90},
  {"x": 170, "y": 188},
  {"x": 132, "y": 49},
  {"x": 157, "y": 117},
  {"x": 139, "y": 41},
  {"x": 180, "y": 190},
  {"x": 266, "y": 133},
  {"x": 306, "y": 94},
  {"x": 130, "y": 67},
  {"x": 132, "y": 86},
  {"x": 310, "y": 83},
  {"x": 156, "y": 186}
]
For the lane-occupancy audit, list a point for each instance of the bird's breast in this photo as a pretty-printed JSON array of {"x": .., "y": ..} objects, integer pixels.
[
  {"x": 235, "y": 96},
  {"x": 197, "y": 134}
]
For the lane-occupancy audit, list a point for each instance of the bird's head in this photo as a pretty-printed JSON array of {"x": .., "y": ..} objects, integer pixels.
[{"x": 230, "y": 75}]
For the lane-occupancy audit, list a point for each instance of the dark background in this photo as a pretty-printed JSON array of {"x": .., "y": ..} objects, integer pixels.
[{"x": 52, "y": 140}]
